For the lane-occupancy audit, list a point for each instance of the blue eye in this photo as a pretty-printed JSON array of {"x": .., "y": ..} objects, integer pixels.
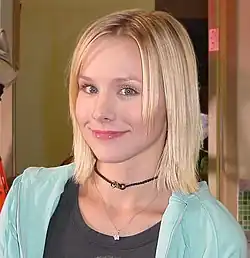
[
  {"x": 89, "y": 89},
  {"x": 128, "y": 91}
]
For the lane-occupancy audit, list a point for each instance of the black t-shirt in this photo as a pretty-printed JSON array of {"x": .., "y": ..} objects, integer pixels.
[{"x": 68, "y": 236}]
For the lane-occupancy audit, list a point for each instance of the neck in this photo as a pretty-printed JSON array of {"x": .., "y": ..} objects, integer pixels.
[
  {"x": 131, "y": 196},
  {"x": 141, "y": 167},
  {"x": 123, "y": 174},
  {"x": 130, "y": 171},
  {"x": 123, "y": 186}
]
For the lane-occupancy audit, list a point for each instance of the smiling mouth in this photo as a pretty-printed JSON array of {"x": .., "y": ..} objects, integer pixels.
[{"x": 108, "y": 135}]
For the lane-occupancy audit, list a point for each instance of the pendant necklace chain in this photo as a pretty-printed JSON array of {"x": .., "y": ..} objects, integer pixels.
[{"x": 116, "y": 236}]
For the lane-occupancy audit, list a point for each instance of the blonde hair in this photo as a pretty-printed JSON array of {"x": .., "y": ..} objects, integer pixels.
[{"x": 168, "y": 63}]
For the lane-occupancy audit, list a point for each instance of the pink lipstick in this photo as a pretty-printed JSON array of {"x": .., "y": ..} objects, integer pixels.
[{"x": 107, "y": 135}]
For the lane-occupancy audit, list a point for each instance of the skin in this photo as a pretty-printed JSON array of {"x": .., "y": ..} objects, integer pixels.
[{"x": 110, "y": 99}]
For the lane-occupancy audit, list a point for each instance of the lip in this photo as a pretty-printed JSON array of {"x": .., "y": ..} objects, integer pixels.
[{"x": 107, "y": 135}]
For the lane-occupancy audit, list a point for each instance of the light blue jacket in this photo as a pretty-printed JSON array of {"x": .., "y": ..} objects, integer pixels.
[{"x": 193, "y": 226}]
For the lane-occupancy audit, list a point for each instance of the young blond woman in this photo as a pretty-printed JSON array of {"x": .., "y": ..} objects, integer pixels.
[{"x": 132, "y": 190}]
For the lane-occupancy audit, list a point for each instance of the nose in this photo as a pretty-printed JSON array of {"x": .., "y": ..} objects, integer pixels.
[{"x": 104, "y": 110}]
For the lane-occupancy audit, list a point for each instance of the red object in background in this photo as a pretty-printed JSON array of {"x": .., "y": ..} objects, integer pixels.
[
  {"x": 213, "y": 39},
  {"x": 3, "y": 185}
]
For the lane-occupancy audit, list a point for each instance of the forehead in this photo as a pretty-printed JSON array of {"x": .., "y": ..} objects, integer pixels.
[{"x": 112, "y": 56}]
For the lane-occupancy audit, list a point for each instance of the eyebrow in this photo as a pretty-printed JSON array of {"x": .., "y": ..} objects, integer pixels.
[{"x": 117, "y": 80}]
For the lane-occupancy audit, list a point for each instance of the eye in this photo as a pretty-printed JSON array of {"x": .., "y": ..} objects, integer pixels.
[
  {"x": 89, "y": 89},
  {"x": 128, "y": 91}
]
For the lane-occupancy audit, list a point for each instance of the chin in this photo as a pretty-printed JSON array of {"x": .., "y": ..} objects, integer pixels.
[{"x": 109, "y": 158}]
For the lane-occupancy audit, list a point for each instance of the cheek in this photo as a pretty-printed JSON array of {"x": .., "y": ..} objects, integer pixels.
[
  {"x": 81, "y": 110},
  {"x": 140, "y": 128},
  {"x": 135, "y": 120},
  {"x": 132, "y": 116}
]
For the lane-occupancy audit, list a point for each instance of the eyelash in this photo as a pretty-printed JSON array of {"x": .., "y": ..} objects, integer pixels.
[
  {"x": 84, "y": 87},
  {"x": 128, "y": 87}
]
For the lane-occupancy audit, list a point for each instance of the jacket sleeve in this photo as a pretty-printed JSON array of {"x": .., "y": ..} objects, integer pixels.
[
  {"x": 213, "y": 231},
  {"x": 9, "y": 246}
]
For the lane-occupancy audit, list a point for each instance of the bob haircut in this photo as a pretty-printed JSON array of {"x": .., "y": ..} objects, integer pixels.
[{"x": 169, "y": 66}]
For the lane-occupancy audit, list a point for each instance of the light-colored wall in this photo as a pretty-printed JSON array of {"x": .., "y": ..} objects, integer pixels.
[
  {"x": 49, "y": 30},
  {"x": 243, "y": 86}
]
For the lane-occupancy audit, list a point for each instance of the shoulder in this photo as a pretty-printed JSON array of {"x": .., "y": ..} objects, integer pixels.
[
  {"x": 40, "y": 175},
  {"x": 39, "y": 184},
  {"x": 37, "y": 189},
  {"x": 42, "y": 182},
  {"x": 207, "y": 225}
]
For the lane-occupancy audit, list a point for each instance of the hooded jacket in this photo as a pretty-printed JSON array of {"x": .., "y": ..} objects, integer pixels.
[{"x": 193, "y": 226}]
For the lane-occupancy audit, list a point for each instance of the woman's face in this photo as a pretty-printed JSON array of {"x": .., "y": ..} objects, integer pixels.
[{"x": 109, "y": 103}]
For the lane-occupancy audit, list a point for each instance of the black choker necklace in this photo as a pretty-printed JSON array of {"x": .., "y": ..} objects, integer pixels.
[{"x": 122, "y": 186}]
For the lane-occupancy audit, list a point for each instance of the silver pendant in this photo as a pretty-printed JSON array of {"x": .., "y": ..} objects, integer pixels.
[{"x": 116, "y": 237}]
